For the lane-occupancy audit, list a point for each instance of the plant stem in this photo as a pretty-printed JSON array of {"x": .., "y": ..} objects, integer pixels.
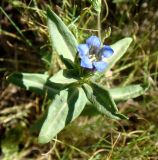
[
  {"x": 99, "y": 18},
  {"x": 99, "y": 25},
  {"x": 107, "y": 11}
]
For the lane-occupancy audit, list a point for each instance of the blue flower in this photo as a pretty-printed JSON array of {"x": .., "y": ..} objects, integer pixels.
[{"x": 92, "y": 54}]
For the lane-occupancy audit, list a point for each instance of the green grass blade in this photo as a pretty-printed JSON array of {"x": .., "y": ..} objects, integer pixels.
[{"x": 16, "y": 27}]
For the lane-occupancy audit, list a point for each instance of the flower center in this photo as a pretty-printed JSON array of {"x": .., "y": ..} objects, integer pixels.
[
  {"x": 92, "y": 57},
  {"x": 94, "y": 54}
]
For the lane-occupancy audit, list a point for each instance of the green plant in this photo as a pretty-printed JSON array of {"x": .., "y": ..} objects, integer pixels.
[{"x": 72, "y": 89}]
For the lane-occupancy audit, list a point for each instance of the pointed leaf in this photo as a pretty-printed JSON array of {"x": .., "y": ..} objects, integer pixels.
[
  {"x": 62, "y": 39},
  {"x": 65, "y": 108},
  {"x": 64, "y": 77},
  {"x": 131, "y": 91},
  {"x": 102, "y": 100},
  {"x": 30, "y": 81},
  {"x": 120, "y": 48},
  {"x": 38, "y": 83}
]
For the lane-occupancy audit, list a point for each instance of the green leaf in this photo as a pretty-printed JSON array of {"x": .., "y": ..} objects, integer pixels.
[
  {"x": 64, "y": 109},
  {"x": 96, "y": 5},
  {"x": 38, "y": 83},
  {"x": 102, "y": 100},
  {"x": 29, "y": 81},
  {"x": 131, "y": 91},
  {"x": 120, "y": 48},
  {"x": 64, "y": 77},
  {"x": 62, "y": 39},
  {"x": 90, "y": 110},
  {"x": 41, "y": 83}
]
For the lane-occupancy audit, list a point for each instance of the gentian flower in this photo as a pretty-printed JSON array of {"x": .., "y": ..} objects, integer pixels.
[{"x": 92, "y": 54}]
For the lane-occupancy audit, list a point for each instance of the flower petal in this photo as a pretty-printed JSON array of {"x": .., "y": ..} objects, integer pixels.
[
  {"x": 106, "y": 51},
  {"x": 100, "y": 65},
  {"x": 83, "y": 50},
  {"x": 86, "y": 63},
  {"x": 93, "y": 41}
]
